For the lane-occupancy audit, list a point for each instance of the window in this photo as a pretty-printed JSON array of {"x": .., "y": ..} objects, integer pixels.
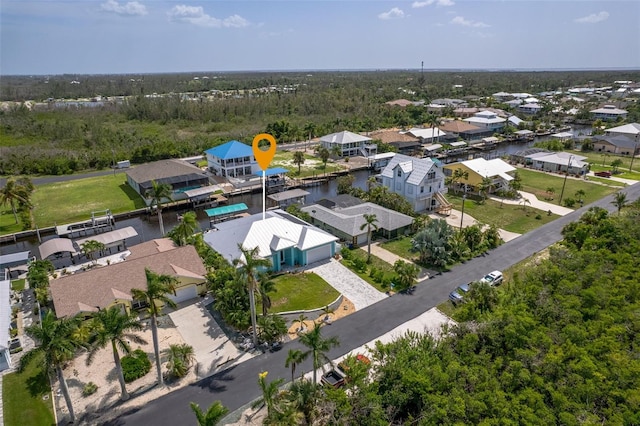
[
  {"x": 399, "y": 172},
  {"x": 431, "y": 175},
  {"x": 422, "y": 189},
  {"x": 429, "y": 189}
]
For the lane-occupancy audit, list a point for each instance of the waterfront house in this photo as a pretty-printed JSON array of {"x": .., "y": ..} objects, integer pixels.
[
  {"x": 497, "y": 170},
  {"x": 347, "y": 223},
  {"x": 608, "y": 113},
  {"x": 426, "y": 135},
  {"x": 616, "y": 144},
  {"x": 530, "y": 108},
  {"x": 488, "y": 120},
  {"x": 419, "y": 180},
  {"x": 631, "y": 130},
  {"x": 350, "y": 144},
  {"x": 232, "y": 159},
  {"x": 181, "y": 175},
  {"x": 466, "y": 131},
  {"x": 106, "y": 286},
  {"x": 558, "y": 162},
  {"x": 282, "y": 238},
  {"x": 404, "y": 142}
]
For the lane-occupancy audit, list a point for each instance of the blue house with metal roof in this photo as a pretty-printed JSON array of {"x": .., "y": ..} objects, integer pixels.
[{"x": 232, "y": 159}]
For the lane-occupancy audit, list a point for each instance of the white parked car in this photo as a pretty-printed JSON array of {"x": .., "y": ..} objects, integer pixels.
[{"x": 494, "y": 278}]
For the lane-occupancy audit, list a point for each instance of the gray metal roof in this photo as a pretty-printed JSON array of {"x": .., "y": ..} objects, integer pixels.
[
  {"x": 110, "y": 237},
  {"x": 287, "y": 195},
  {"x": 163, "y": 170},
  {"x": 417, "y": 167},
  {"x": 350, "y": 219},
  {"x": 56, "y": 245},
  {"x": 619, "y": 140}
]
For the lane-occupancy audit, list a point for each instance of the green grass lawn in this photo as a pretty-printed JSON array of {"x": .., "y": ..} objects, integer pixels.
[
  {"x": 598, "y": 159},
  {"x": 508, "y": 216},
  {"x": 22, "y": 397},
  {"x": 376, "y": 262},
  {"x": 8, "y": 223},
  {"x": 401, "y": 247},
  {"x": 538, "y": 182},
  {"x": 73, "y": 201},
  {"x": 18, "y": 285},
  {"x": 311, "y": 167},
  {"x": 301, "y": 291}
]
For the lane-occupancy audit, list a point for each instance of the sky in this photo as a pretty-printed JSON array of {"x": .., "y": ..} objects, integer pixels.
[{"x": 48, "y": 37}]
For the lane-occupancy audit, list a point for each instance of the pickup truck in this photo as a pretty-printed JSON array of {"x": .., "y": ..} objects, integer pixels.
[{"x": 605, "y": 173}]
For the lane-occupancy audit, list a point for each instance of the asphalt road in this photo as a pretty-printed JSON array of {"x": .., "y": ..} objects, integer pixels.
[{"x": 237, "y": 386}]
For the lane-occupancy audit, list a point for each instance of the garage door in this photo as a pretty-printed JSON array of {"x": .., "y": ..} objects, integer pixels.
[
  {"x": 184, "y": 293},
  {"x": 318, "y": 253}
]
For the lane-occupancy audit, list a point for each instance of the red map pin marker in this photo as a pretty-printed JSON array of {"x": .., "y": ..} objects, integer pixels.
[{"x": 264, "y": 157}]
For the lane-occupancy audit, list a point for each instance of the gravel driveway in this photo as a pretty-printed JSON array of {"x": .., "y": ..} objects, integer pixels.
[{"x": 354, "y": 288}]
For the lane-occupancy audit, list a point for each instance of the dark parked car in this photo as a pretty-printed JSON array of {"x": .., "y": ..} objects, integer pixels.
[
  {"x": 457, "y": 295},
  {"x": 605, "y": 173}
]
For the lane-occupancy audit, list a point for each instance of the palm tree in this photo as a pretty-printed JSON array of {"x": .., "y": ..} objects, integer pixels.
[
  {"x": 301, "y": 320},
  {"x": 324, "y": 156},
  {"x": 371, "y": 182},
  {"x": 457, "y": 175},
  {"x": 485, "y": 187},
  {"x": 269, "y": 392},
  {"x": 250, "y": 264},
  {"x": 294, "y": 357},
  {"x": 615, "y": 164},
  {"x": 90, "y": 248},
  {"x": 524, "y": 203},
  {"x": 309, "y": 129},
  {"x": 158, "y": 288},
  {"x": 298, "y": 159},
  {"x": 212, "y": 417},
  {"x": 265, "y": 286},
  {"x": 318, "y": 346},
  {"x": 336, "y": 151},
  {"x": 180, "y": 358},
  {"x": 158, "y": 193},
  {"x": 433, "y": 121},
  {"x": 326, "y": 311},
  {"x": 57, "y": 345},
  {"x": 619, "y": 200},
  {"x": 11, "y": 193},
  {"x": 407, "y": 273},
  {"x": 184, "y": 231},
  {"x": 113, "y": 326},
  {"x": 580, "y": 194},
  {"x": 369, "y": 223}
]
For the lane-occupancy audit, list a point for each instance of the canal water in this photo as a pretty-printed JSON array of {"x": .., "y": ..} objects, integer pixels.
[{"x": 147, "y": 225}]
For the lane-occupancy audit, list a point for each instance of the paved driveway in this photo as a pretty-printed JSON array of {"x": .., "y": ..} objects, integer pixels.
[
  {"x": 354, "y": 288},
  {"x": 213, "y": 350}
]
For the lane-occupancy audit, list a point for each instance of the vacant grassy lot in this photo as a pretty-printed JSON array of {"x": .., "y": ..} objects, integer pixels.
[
  {"x": 312, "y": 166},
  {"x": 604, "y": 160},
  {"x": 538, "y": 182},
  {"x": 22, "y": 397},
  {"x": 376, "y": 263},
  {"x": 73, "y": 201},
  {"x": 508, "y": 216},
  {"x": 301, "y": 291},
  {"x": 401, "y": 247}
]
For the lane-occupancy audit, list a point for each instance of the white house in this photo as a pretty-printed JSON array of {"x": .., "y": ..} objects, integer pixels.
[
  {"x": 350, "y": 144},
  {"x": 632, "y": 130},
  {"x": 232, "y": 159},
  {"x": 558, "y": 162},
  {"x": 530, "y": 108},
  {"x": 419, "y": 180},
  {"x": 430, "y": 134},
  {"x": 487, "y": 120},
  {"x": 608, "y": 113}
]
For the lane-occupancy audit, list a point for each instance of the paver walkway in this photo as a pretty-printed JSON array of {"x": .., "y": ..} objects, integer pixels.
[
  {"x": 354, "y": 288},
  {"x": 211, "y": 346}
]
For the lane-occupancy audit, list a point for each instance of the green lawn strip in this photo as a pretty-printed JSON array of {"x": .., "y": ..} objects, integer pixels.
[
  {"x": 447, "y": 308},
  {"x": 600, "y": 158},
  {"x": 73, "y": 201},
  {"x": 312, "y": 166},
  {"x": 22, "y": 397},
  {"x": 301, "y": 291},
  {"x": 538, "y": 182},
  {"x": 376, "y": 262},
  {"x": 509, "y": 217},
  {"x": 400, "y": 247},
  {"x": 18, "y": 285},
  {"x": 606, "y": 181},
  {"x": 8, "y": 223}
]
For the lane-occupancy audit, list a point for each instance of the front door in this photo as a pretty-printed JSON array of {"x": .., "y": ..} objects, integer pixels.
[{"x": 281, "y": 257}]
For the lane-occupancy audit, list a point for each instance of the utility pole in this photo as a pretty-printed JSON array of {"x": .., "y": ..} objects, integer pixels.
[
  {"x": 565, "y": 179},
  {"x": 635, "y": 148}
]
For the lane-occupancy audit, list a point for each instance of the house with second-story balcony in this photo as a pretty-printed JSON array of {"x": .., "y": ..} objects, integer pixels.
[
  {"x": 488, "y": 120},
  {"x": 350, "y": 144},
  {"x": 419, "y": 180},
  {"x": 477, "y": 169},
  {"x": 609, "y": 113},
  {"x": 232, "y": 159}
]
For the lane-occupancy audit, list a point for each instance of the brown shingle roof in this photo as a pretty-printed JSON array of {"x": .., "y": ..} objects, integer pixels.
[
  {"x": 457, "y": 126},
  {"x": 399, "y": 102},
  {"x": 102, "y": 286}
]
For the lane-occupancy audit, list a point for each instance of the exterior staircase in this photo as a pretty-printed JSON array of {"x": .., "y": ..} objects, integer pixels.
[{"x": 444, "y": 206}]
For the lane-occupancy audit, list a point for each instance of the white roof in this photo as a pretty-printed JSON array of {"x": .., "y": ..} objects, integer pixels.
[
  {"x": 485, "y": 117},
  {"x": 110, "y": 237},
  {"x": 490, "y": 168},
  {"x": 629, "y": 129},
  {"x": 382, "y": 156},
  {"x": 432, "y": 147},
  {"x": 532, "y": 100},
  {"x": 608, "y": 109},
  {"x": 523, "y": 132},
  {"x": 457, "y": 144},
  {"x": 561, "y": 158},
  {"x": 515, "y": 120},
  {"x": 344, "y": 138},
  {"x": 428, "y": 133},
  {"x": 56, "y": 245},
  {"x": 562, "y": 135},
  {"x": 532, "y": 105}
]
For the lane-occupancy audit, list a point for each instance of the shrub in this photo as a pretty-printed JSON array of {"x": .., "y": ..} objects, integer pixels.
[
  {"x": 373, "y": 271},
  {"x": 346, "y": 254},
  {"x": 89, "y": 389},
  {"x": 538, "y": 217},
  {"x": 135, "y": 365},
  {"x": 359, "y": 264},
  {"x": 569, "y": 202}
]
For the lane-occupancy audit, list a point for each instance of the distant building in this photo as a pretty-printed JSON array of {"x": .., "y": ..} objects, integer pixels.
[
  {"x": 404, "y": 142},
  {"x": 488, "y": 120},
  {"x": 350, "y": 144},
  {"x": 426, "y": 135},
  {"x": 616, "y": 144},
  {"x": 530, "y": 108},
  {"x": 479, "y": 168},
  {"x": 464, "y": 130},
  {"x": 632, "y": 130},
  {"x": 608, "y": 113}
]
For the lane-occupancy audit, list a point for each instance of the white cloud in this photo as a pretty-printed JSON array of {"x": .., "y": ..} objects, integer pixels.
[
  {"x": 394, "y": 13},
  {"x": 129, "y": 8},
  {"x": 593, "y": 18},
  {"x": 419, "y": 4},
  {"x": 459, "y": 20},
  {"x": 195, "y": 15}
]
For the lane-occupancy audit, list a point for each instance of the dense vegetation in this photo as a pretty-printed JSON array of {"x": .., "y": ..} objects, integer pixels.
[
  {"x": 193, "y": 115},
  {"x": 557, "y": 345}
]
